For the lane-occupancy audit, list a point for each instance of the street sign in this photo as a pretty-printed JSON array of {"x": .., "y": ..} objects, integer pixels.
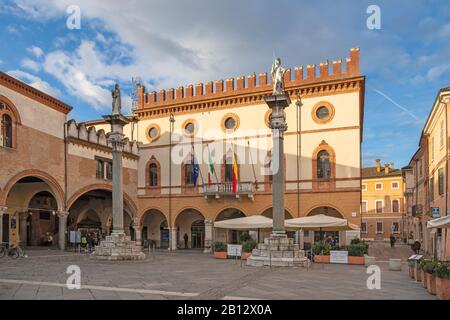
[{"x": 436, "y": 212}]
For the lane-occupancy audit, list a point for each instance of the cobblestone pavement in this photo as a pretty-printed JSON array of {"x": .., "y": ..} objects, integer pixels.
[{"x": 192, "y": 275}]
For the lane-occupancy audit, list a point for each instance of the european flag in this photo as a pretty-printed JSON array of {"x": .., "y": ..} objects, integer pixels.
[{"x": 195, "y": 172}]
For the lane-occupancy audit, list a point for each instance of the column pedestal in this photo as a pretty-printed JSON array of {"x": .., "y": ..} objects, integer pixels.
[
  {"x": 278, "y": 251},
  {"x": 208, "y": 236}
]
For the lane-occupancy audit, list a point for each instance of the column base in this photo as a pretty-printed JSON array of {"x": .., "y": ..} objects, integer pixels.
[
  {"x": 278, "y": 251},
  {"x": 118, "y": 246}
]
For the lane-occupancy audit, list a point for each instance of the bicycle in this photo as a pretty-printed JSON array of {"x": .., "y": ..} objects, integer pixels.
[
  {"x": 13, "y": 251},
  {"x": 3, "y": 249}
]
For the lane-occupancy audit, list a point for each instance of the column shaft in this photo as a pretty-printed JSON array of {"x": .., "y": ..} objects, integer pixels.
[
  {"x": 278, "y": 181},
  {"x": 173, "y": 239},
  {"x": 117, "y": 194},
  {"x": 62, "y": 231},
  {"x": 208, "y": 236}
]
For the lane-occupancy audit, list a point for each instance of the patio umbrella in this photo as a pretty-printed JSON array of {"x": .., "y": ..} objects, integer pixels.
[
  {"x": 442, "y": 222},
  {"x": 320, "y": 222},
  {"x": 246, "y": 223}
]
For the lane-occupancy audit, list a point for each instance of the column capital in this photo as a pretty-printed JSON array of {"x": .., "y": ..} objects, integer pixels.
[
  {"x": 208, "y": 222},
  {"x": 62, "y": 214},
  {"x": 3, "y": 210}
]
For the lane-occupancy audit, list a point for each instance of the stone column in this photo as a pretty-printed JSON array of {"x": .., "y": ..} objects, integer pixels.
[
  {"x": 138, "y": 234},
  {"x": 2, "y": 211},
  {"x": 23, "y": 227},
  {"x": 208, "y": 236},
  {"x": 302, "y": 239},
  {"x": 173, "y": 239},
  {"x": 116, "y": 139},
  {"x": 278, "y": 102},
  {"x": 62, "y": 233}
]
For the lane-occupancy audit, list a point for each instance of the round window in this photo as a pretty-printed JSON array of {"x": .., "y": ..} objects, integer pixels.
[
  {"x": 189, "y": 128},
  {"x": 322, "y": 113},
  {"x": 230, "y": 123},
  {"x": 153, "y": 133}
]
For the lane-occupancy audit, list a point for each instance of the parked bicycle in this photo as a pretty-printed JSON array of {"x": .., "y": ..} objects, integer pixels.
[{"x": 13, "y": 251}]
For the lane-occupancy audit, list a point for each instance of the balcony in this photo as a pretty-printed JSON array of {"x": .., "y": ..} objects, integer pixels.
[{"x": 226, "y": 189}]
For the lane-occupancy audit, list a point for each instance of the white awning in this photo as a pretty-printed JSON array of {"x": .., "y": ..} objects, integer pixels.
[
  {"x": 320, "y": 222},
  {"x": 442, "y": 222},
  {"x": 245, "y": 223}
]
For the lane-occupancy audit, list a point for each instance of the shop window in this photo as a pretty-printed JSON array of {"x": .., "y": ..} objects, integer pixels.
[
  {"x": 379, "y": 206},
  {"x": 364, "y": 227}
]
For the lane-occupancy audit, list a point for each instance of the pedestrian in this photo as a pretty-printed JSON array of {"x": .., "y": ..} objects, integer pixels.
[
  {"x": 84, "y": 241},
  {"x": 392, "y": 238},
  {"x": 186, "y": 238},
  {"x": 416, "y": 247},
  {"x": 90, "y": 240}
]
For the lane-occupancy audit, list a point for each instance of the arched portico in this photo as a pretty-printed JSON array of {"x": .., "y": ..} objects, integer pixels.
[
  {"x": 31, "y": 203},
  {"x": 228, "y": 236},
  {"x": 155, "y": 228},
  {"x": 190, "y": 229}
]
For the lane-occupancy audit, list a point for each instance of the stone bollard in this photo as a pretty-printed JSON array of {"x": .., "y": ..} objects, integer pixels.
[
  {"x": 368, "y": 260},
  {"x": 395, "y": 264}
]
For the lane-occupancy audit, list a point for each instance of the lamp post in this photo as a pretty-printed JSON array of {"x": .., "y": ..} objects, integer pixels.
[{"x": 172, "y": 242}]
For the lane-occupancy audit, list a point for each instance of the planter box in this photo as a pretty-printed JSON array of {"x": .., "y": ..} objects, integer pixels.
[
  {"x": 443, "y": 288},
  {"x": 431, "y": 283},
  {"x": 220, "y": 255},
  {"x": 424, "y": 279},
  {"x": 322, "y": 259},
  {"x": 418, "y": 274},
  {"x": 356, "y": 260},
  {"x": 411, "y": 272},
  {"x": 245, "y": 255}
]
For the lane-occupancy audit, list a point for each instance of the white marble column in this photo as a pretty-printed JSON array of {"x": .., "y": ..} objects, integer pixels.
[
  {"x": 138, "y": 234},
  {"x": 302, "y": 239},
  {"x": 2, "y": 211},
  {"x": 62, "y": 233},
  {"x": 173, "y": 239},
  {"x": 208, "y": 236}
]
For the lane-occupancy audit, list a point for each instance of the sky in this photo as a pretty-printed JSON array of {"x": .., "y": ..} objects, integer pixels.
[{"x": 171, "y": 43}]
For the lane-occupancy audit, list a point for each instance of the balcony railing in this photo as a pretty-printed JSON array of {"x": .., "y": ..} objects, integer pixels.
[{"x": 226, "y": 189}]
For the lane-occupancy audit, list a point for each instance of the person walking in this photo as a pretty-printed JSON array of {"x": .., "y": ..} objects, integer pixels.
[
  {"x": 186, "y": 238},
  {"x": 392, "y": 238}
]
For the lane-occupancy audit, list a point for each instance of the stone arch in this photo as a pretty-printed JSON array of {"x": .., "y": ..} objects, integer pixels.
[
  {"x": 267, "y": 212},
  {"x": 101, "y": 186},
  {"x": 218, "y": 213},
  {"x": 13, "y": 110},
  {"x": 57, "y": 191},
  {"x": 335, "y": 211},
  {"x": 190, "y": 222},
  {"x": 155, "y": 228}
]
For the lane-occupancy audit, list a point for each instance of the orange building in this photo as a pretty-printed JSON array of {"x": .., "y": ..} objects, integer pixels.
[{"x": 382, "y": 206}]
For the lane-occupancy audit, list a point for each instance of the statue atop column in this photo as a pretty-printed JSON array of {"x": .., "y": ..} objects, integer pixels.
[
  {"x": 117, "y": 103},
  {"x": 277, "y": 74}
]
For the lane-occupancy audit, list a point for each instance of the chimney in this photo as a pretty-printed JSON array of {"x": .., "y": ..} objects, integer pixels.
[
  {"x": 378, "y": 165},
  {"x": 386, "y": 168}
]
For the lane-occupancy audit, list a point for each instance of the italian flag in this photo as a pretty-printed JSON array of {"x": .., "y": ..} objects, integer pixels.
[
  {"x": 211, "y": 171},
  {"x": 235, "y": 174}
]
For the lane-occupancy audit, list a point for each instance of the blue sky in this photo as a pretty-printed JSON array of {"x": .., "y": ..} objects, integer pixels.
[{"x": 172, "y": 43}]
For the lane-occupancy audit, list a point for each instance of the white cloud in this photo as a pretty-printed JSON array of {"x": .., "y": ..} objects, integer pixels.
[
  {"x": 36, "y": 51},
  {"x": 35, "y": 82},
  {"x": 30, "y": 64}
]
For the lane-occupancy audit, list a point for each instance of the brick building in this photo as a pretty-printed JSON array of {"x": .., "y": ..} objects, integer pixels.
[{"x": 171, "y": 132}]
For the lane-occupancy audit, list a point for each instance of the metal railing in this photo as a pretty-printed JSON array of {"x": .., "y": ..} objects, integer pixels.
[{"x": 226, "y": 188}]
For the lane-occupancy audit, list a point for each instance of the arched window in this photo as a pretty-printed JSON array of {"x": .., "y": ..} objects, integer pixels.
[
  {"x": 6, "y": 131},
  {"x": 323, "y": 165},
  {"x": 153, "y": 175}
]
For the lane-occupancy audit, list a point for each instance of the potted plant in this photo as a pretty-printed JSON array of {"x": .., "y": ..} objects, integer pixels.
[
  {"x": 321, "y": 252},
  {"x": 422, "y": 264},
  {"x": 247, "y": 248},
  {"x": 356, "y": 251},
  {"x": 442, "y": 273},
  {"x": 431, "y": 279},
  {"x": 412, "y": 267},
  {"x": 220, "y": 250},
  {"x": 417, "y": 271}
]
